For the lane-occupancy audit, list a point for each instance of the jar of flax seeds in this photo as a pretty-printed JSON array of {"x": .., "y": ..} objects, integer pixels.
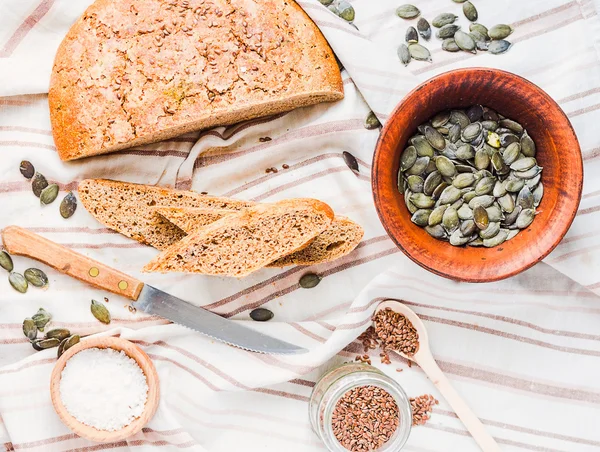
[{"x": 357, "y": 397}]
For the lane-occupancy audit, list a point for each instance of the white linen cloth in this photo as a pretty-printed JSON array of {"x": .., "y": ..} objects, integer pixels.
[{"x": 524, "y": 353}]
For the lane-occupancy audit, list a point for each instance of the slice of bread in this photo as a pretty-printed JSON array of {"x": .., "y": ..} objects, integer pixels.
[
  {"x": 129, "y": 208},
  {"x": 341, "y": 238},
  {"x": 244, "y": 242},
  {"x": 133, "y": 72}
]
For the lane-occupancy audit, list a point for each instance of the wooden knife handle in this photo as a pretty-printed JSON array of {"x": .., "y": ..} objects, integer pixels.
[{"x": 22, "y": 242}]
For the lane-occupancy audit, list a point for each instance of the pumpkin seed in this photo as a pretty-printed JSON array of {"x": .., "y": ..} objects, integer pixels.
[
  {"x": 479, "y": 28},
  {"x": 514, "y": 185},
  {"x": 498, "y": 239},
  {"x": 449, "y": 195},
  {"x": 475, "y": 113},
  {"x": 418, "y": 52},
  {"x": 465, "y": 152},
  {"x": 489, "y": 125},
  {"x": 484, "y": 201},
  {"x": 482, "y": 159},
  {"x": 409, "y": 205},
  {"x": 67, "y": 343},
  {"x": 36, "y": 277},
  {"x": 485, "y": 185},
  {"x": 444, "y": 19},
  {"x": 506, "y": 139},
  {"x": 29, "y": 329},
  {"x": 457, "y": 239},
  {"x": 435, "y": 138},
  {"x": 422, "y": 145},
  {"x": 431, "y": 182},
  {"x": 43, "y": 344},
  {"x": 511, "y": 218},
  {"x": 449, "y": 45},
  {"x": 499, "y": 189},
  {"x": 27, "y": 169},
  {"x": 500, "y": 31},
  {"x": 454, "y": 133},
  {"x": 471, "y": 132},
  {"x": 404, "y": 54},
  {"x": 408, "y": 158},
  {"x": 437, "y": 232},
  {"x": 464, "y": 180},
  {"x": 538, "y": 194},
  {"x": 371, "y": 122},
  {"x": 468, "y": 228},
  {"x": 441, "y": 119},
  {"x": 421, "y": 217},
  {"x": 68, "y": 205},
  {"x": 419, "y": 166},
  {"x": 424, "y": 28},
  {"x": 511, "y": 153},
  {"x": 351, "y": 162},
  {"x": 18, "y": 282},
  {"x": 100, "y": 312},
  {"x": 507, "y": 203},
  {"x": 498, "y": 164},
  {"x": 470, "y": 11},
  {"x": 41, "y": 319},
  {"x": 445, "y": 166},
  {"x": 490, "y": 115},
  {"x": 448, "y": 31},
  {"x": 326, "y": 2},
  {"x": 6, "y": 261},
  {"x": 450, "y": 219},
  {"x": 480, "y": 217},
  {"x": 401, "y": 187},
  {"x": 527, "y": 145},
  {"x": 407, "y": 11},
  {"x": 525, "y": 218},
  {"x": 422, "y": 201},
  {"x": 490, "y": 231},
  {"x": 468, "y": 196},
  {"x": 523, "y": 164},
  {"x": 436, "y": 215},
  {"x": 415, "y": 183},
  {"x": 465, "y": 42},
  {"x": 511, "y": 234},
  {"x": 493, "y": 139},
  {"x": 499, "y": 47},
  {"x": 58, "y": 333},
  {"x": 412, "y": 35},
  {"x": 309, "y": 280},
  {"x": 465, "y": 212},
  {"x": 345, "y": 10},
  {"x": 476, "y": 243},
  {"x": 38, "y": 184},
  {"x": 459, "y": 117},
  {"x": 261, "y": 315},
  {"x": 528, "y": 174},
  {"x": 525, "y": 198},
  {"x": 494, "y": 213},
  {"x": 532, "y": 183}
]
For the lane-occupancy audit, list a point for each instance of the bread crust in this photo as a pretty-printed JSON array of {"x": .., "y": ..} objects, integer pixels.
[{"x": 119, "y": 80}]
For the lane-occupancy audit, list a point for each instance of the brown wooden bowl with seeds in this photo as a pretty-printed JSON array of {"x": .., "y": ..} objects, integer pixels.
[
  {"x": 558, "y": 152},
  {"x": 134, "y": 352}
]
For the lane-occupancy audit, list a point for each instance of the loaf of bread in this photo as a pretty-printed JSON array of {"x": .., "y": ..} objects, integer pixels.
[
  {"x": 132, "y": 72},
  {"x": 130, "y": 208},
  {"x": 243, "y": 242},
  {"x": 341, "y": 238}
]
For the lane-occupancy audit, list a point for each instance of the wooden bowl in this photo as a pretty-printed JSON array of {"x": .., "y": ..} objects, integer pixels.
[
  {"x": 558, "y": 153},
  {"x": 91, "y": 433}
]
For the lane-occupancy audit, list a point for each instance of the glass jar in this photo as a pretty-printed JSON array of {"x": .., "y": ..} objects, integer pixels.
[{"x": 333, "y": 385}]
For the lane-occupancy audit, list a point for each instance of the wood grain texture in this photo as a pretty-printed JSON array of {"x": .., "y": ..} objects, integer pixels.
[
  {"x": 91, "y": 433},
  {"x": 21, "y": 242},
  {"x": 558, "y": 152}
]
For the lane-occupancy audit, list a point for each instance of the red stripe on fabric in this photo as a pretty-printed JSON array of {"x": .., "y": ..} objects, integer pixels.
[{"x": 23, "y": 29}]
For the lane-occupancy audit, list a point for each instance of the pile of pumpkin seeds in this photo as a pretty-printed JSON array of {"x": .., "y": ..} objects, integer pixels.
[
  {"x": 20, "y": 282},
  {"x": 470, "y": 177},
  {"x": 48, "y": 192},
  {"x": 453, "y": 38},
  {"x": 57, "y": 337}
]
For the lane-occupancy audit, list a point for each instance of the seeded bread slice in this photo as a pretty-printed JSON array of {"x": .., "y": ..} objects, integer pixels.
[
  {"x": 129, "y": 208},
  {"x": 341, "y": 238},
  {"x": 243, "y": 242}
]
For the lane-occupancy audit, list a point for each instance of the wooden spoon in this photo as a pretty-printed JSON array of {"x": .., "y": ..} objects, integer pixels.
[{"x": 426, "y": 362}]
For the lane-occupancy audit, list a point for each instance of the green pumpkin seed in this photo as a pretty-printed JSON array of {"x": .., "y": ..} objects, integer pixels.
[
  {"x": 500, "y": 31},
  {"x": 424, "y": 28},
  {"x": 412, "y": 35},
  {"x": 29, "y": 329},
  {"x": 326, "y": 2},
  {"x": 435, "y": 138},
  {"x": 58, "y": 333},
  {"x": 18, "y": 282},
  {"x": 507, "y": 203},
  {"x": 465, "y": 212},
  {"x": 38, "y": 183},
  {"x": 494, "y": 213},
  {"x": 525, "y": 218},
  {"x": 499, "y": 47},
  {"x": 468, "y": 228},
  {"x": 407, "y": 11},
  {"x": 538, "y": 194},
  {"x": 485, "y": 185},
  {"x": 511, "y": 153},
  {"x": 499, "y": 189},
  {"x": 100, "y": 312},
  {"x": 465, "y": 152},
  {"x": 511, "y": 234},
  {"x": 507, "y": 139},
  {"x": 444, "y": 19},
  {"x": 422, "y": 201},
  {"x": 527, "y": 145},
  {"x": 309, "y": 281},
  {"x": 471, "y": 132},
  {"x": 67, "y": 343},
  {"x": 466, "y": 43},
  {"x": 421, "y": 144},
  {"x": 437, "y": 232},
  {"x": 498, "y": 239},
  {"x": 36, "y": 277},
  {"x": 511, "y": 218},
  {"x": 43, "y": 344},
  {"x": 421, "y": 217},
  {"x": 482, "y": 159},
  {"x": 493, "y": 139},
  {"x": 371, "y": 122},
  {"x": 532, "y": 183},
  {"x": 475, "y": 113},
  {"x": 481, "y": 29},
  {"x": 27, "y": 169},
  {"x": 498, "y": 164},
  {"x": 345, "y": 10},
  {"x": 470, "y": 11},
  {"x": 351, "y": 162},
  {"x": 464, "y": 180},
  {"x": 6, "y": 261},
  {"x": 450, "y": 219},
  {"x": 419, "y": 166},
  {"x": 457, "y": 239},
  {"x": 436, "y": 215},
  {"x": 448, "y": 31},
  {"x": 490, "y": 115},
  {"x": 459, "y": 117},
  {"x": 454, "y": 133},
  {"x": 431, "y": 182},
  {"x": 480, "y": 217},
  {"x": 409, "y": 205},
  {"x": 489, "y": 125},
  {"x": 483, "y": 201},
  {"x": 404, "y": 54},
  {"x": 449, "y": 45},
  {"x": 514, "y": 185},
  {"x": 408, "y": 158},
  {"x": 41, "y": 319},
  {"x": 68, "y": 205},
  {"x": 449, "y": 195},
  {"x": 525, "y": 198},
  {"x": 528, "y": 174},
  {"x": 445, "y": 166},
  {"x": 468, "y": 196},
  {"x": 419, "y": 53},
  {"x": 523, "y": 164},
  {"x": 490, "y": 231},
  {"x": 49, "y": 194},
  {"x": 415, "y": 183},
  {"x": 441, "y": 119},
  {"x": 261, "y": 315},
  {"x": 476, "y": 243}
]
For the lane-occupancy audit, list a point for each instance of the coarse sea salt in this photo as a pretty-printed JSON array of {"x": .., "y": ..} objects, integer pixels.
[{"x": 103, "y": 388}]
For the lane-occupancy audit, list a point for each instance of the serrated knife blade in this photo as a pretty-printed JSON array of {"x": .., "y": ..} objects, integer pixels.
[{"x": 156, "y": 302}]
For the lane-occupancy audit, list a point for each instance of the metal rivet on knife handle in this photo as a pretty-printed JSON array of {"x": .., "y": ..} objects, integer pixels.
[
  {"x": 123, "y": 285},
  {"x": 94, "y": 272}
]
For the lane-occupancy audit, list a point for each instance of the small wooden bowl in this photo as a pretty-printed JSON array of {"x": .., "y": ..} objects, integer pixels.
[
  {"x": 91, "y": 433},
  {"x": 558, "y": 153}
]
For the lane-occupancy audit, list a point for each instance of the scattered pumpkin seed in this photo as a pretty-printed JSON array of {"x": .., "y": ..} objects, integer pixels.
[
  {"x": 67, "y": 343},
  {"x": 43, "y": 344},
  {"x": 309, "y": 281},
  {"x": 412, "y": 35},
  {"x": 449, "y": 45},
  {"x": 27, "y": 169},
  {"x": 41, "y": 319},
  {"x": 6, "y": 261},
  {"x": 18, "y": 282},
  {"x": 261, "y": 315},
  {"x": 38, "y": 184},
  {"x": 36, "y": 277},
  {"x": 404, "y": 54},
  {"x": 499, "y": 47},
  {"x": 500, "y": 31},
  {"x": 68, "y": 205},
  {"x": 371, "y": 122},
  {"x": 447, "y": 31},
  {"x": 49, "y": 194},
  {"x": 479, "y": 28},
  {"x": 29, "y": 329},
  {"x": 466, "y": 43},
  {"x": 345, "y": 10},
  {"x": 418, "y": 52},
  {"x": 424, "y": 28},
  {"x": 351, "y": 162},
  {"x": 408, "y": 11},
  {"x": 100, "y": 312},
  {"x": 444, "y": 19},
  {"x": 58, "y": 333},
  {"x": 470, "y": 11}
]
